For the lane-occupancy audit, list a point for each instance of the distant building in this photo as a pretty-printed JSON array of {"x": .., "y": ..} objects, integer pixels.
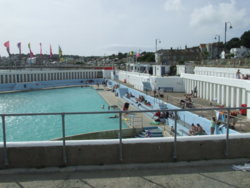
[
  {"x": 31, "y": 60},
  {"x": 223, "y": 55},
  {"x": 175, "y": 56},
  {"x": 148, "y": 68},
  {"x": 240, "y": 52},
  {"x": 211, "y": 50},
  {"x": 187, "y": 68}
]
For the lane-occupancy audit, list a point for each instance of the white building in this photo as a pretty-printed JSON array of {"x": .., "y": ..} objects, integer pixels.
[
  {"x": 148, "y": 68},
  {"x": 31, "y": 60},
  {"x": 240, "y": 52},
  {"x": 223, "y": 55},
  {"x": 212, "y": 83},
  {"x": 220, "y": 85}
]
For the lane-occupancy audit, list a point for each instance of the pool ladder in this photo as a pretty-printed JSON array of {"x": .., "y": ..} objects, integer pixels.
[{"x": 135, "y": 120}]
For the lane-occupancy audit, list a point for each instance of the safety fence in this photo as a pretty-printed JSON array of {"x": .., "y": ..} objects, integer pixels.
[{"x": 120, "y": 115}]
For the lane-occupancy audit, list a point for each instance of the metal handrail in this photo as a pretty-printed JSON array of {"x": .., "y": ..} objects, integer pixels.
[
  {"x": 118, "y": 111},
  {"x": 63, "y": 114}
]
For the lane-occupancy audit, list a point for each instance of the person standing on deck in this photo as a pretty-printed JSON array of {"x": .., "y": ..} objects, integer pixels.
[
  {"x": 195, "y": 91},
  {"x": 213, "y": 124},
  {"x": 238, "y": 74}
]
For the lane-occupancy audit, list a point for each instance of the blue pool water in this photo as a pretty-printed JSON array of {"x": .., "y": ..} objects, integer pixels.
[{"x": 30, "y": 128}]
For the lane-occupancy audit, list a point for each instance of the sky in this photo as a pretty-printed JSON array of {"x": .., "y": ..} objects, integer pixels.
[{"x": 105, "y": 27}]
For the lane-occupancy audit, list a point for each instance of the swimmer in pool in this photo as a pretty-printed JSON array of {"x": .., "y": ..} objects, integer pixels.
[{"x": 115, "y": 116}]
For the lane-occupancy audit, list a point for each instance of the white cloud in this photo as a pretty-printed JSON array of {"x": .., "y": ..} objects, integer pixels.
[
  {"x": 97, "y": 27},
  {"x": 212, "y": 16},
  {"x": 173, "y": 5}
]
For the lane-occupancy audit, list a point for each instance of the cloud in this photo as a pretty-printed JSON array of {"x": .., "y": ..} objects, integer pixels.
[
  {"x": 212, "y": 16},
  {"x": 173, "y": 5}
]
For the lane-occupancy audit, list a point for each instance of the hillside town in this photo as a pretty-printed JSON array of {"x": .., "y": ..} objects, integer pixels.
[{"x": 235, "y": 50}]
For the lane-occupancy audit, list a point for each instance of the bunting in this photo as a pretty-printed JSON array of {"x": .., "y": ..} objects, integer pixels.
[
  {"x": 60, "y": 54},
  {"x": 19, "y": 46},
  {"x": 31, "y": 53},
  {"x": 41, "y": 49},
  {"x": 50, "y": 52},
  {"x": 7, "y": 45}
]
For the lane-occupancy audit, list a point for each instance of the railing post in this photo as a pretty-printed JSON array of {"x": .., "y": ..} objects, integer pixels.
[
  {"x": 120, "y": 136},
  {"x": 175, "y": 136},
  {"x": 227, "y": 134},
  {"x": 5, "y": 155},
  {"x": 64, "y": 143}
]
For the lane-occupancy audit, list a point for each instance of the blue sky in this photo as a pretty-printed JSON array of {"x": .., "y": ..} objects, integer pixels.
[{"x": 98, "y": 27}]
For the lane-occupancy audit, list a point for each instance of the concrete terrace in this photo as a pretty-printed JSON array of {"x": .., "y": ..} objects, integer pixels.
[
  {"x": 242, "y": 125},
  {"x": 217, "y": 173},
  {"x": 111, "y": 99}
]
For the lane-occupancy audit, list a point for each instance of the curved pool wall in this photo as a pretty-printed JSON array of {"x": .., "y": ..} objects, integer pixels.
[
  {"x": 184, "y": 116},
  {"x": 25, "y": 86},
  {"x": 47, "y": 127}
]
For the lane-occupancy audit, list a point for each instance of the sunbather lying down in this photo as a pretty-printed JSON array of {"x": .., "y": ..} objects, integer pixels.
[{"x": 113, "y": 106}]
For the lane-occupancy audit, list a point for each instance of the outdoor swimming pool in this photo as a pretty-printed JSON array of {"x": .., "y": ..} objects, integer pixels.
[{"x": 33, "y": 128}]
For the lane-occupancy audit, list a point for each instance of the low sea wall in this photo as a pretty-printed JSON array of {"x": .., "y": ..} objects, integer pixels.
[{"x": 101, "y": 152}]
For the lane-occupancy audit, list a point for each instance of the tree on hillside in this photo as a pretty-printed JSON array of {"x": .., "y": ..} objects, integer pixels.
[
  {"x": 146, "y": 57},
  {"x": 233, "y": 43},
  {"x": 121, "y": 55},
  {"x": 245, "y": 39}
]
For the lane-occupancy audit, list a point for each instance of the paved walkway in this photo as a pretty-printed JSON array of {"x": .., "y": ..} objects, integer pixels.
[
  {"x": 242, "y": 123},
  {"x": 214, "y": 174}
]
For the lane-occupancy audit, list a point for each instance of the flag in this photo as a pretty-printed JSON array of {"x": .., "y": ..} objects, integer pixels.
[
  {"x": 41, "y": 50},
  {"x": 137, "y": 54},
  {"x": 50, "y": 52},
  {"x": 60, "y": 54},
  {"x": 131, "y": 53},
  {"x": 7, "y": 45},
  {"x": 19, "y": 47},
  {"x": 31, "y": 53}
]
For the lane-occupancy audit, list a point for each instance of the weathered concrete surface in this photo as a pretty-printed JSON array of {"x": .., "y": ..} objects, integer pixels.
[
  {"x": 208, "y": 174},
  {"x": 111, "y": 99},
  {"x": 99, "y": 154},
  {"x": 112, "y": 134}
]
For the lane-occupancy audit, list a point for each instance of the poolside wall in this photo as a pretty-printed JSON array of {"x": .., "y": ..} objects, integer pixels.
[
  {"x": 110, "y": 134},
  {"x": 45, "y": 84},
  {"x": 134, "y": 151}
]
